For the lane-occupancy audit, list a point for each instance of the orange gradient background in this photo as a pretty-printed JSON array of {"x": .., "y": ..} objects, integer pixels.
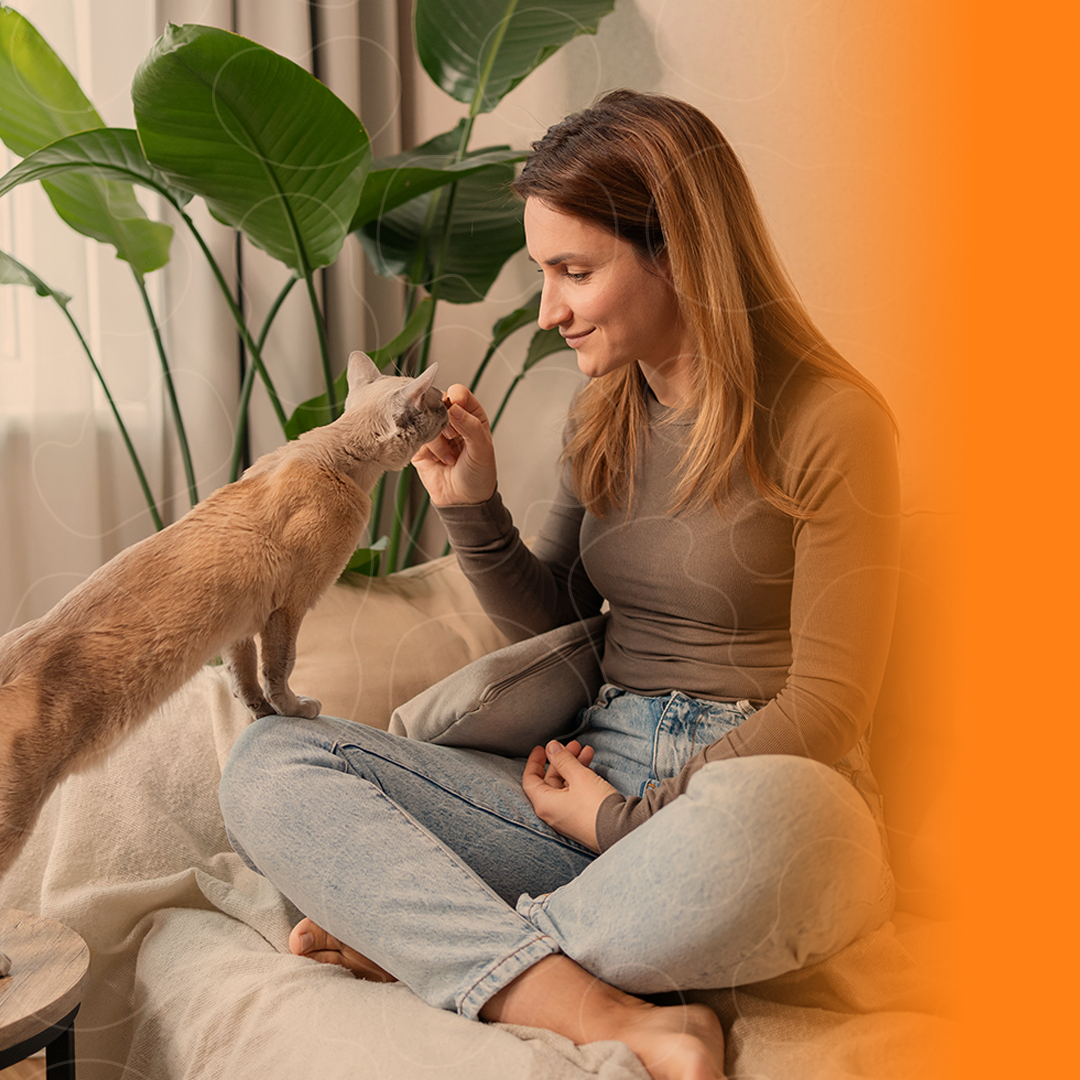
[{"x": 997, "y": 179}]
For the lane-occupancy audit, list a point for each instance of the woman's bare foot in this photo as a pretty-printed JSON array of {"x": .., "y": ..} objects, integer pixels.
[
  {"x": 681, "y": 1042},
  {"x": 312, "y": 941}
]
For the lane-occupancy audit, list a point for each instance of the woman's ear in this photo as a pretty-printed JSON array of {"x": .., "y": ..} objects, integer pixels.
[{"x": 659, "y": 264}]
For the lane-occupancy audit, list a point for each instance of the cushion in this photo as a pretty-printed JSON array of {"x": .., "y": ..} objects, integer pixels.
[
  {"x": 514, "y": 699},
  {"x": 371, "y": 643}
]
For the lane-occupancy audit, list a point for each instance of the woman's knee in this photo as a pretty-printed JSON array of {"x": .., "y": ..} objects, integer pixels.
[
  {"x": 787, "y": 795},
  {"x": 811, "y": 849},
  {"x": 266, "y": 766}
]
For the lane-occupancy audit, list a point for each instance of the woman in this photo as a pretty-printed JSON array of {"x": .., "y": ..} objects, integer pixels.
[{"x": 730, "y": 488}]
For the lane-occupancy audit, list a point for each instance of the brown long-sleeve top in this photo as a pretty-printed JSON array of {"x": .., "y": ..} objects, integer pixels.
[{"x": 741, "y": 602}]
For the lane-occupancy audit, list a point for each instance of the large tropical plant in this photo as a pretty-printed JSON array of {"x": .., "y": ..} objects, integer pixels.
[{"x": 279, "y": 158}]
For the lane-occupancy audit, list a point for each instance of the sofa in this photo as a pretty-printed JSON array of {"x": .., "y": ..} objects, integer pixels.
[{"x": 190, "y": 973}]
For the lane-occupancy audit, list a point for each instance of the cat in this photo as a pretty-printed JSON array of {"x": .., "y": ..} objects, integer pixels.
[{"x": 250, "y": 559}]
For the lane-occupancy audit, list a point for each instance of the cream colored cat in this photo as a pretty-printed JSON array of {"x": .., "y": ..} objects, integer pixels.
[{"x": 250, "y": 559}]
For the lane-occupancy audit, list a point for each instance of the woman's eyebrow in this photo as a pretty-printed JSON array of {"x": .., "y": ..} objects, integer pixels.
[{"x": 566, "y": 256}]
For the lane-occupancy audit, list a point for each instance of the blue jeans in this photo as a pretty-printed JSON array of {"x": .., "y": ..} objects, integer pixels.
[{"x": 431, "y": 861}]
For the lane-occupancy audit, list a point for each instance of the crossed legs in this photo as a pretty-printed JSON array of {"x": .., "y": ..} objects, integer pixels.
[{"x": 430, "y": 862}]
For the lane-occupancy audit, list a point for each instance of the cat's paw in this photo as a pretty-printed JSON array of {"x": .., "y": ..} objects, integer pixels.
[
  {"x": 257, "y": 706},
  {"x": 308, "y": 707}
]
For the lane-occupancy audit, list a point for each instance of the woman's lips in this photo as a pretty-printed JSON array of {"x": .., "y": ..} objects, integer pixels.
[{"x": 574, "y": 340}]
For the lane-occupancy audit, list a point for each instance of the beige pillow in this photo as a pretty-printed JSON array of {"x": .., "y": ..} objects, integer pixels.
[{"x": 370, "y": 645}]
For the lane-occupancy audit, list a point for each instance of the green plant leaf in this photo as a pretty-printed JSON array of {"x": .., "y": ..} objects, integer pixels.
[
  {"x": 42, "y": 102},
  {"x": 486, "y": 228},
  {"x": 395, "y": 180},
  {"x": 13, "y": 272},
  {"x": 516, "y": 320},
  {"x": 316, "y": 411},
  {"x": 366, "y": 560},
  {"x": 479, "y": 50},
  {"x": 111, "y": 153},
  {"x": 269, "y": 148},
  {"x": 543, "y": 343}
]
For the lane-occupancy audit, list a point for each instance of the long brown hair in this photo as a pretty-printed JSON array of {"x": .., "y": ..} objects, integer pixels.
[{"x": 658, "y": 173}]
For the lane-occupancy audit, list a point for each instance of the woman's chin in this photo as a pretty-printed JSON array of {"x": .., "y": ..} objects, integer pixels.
[{"x": 594, "y": 369}]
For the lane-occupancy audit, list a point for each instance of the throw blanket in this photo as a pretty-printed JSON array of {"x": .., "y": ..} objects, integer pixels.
[{"x": 191, "y": 977}]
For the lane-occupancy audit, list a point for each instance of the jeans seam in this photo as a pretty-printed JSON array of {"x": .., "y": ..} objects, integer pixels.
[
  {"x": 464, "y": 1006},
  {"x": 562, "y": 841},
  {"x": 661, "y": 726},
  {"x": 454, "y": 862}
]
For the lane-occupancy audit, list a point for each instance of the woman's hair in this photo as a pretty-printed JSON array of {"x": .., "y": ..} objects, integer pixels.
[{"x": 656, "y": 172}]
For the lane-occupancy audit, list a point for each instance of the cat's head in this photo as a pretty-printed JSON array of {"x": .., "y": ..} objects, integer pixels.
[{"x": 398, "y": 413}]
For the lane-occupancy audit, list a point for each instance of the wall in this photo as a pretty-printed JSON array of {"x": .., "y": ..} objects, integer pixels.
[{"x": 820, "y": 100}]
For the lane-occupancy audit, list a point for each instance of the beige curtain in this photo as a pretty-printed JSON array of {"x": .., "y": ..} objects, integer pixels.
[{"x": 68, "y": 497}]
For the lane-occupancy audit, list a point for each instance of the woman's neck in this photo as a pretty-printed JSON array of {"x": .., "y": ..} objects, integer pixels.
[{"x": 670, "y": 384}]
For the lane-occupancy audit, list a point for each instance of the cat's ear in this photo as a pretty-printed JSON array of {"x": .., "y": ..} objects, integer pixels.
[
  {"x": 361, "y": 371},
  {"x": 414, "y": 391}
]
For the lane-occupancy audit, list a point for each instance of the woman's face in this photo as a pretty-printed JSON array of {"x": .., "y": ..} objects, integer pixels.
[{"x": 611, "y": 310}]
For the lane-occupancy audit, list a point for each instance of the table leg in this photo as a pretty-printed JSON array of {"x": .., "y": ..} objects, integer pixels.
[{"x": 60, "y": 1053}]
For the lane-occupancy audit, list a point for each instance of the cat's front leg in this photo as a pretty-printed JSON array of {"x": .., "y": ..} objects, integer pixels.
[
  {"x": 242, "y": 663},
  {"x": 278, "y": 640}
]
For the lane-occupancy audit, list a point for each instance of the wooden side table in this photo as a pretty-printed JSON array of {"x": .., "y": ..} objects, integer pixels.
[{"x": 42, "y": 994}]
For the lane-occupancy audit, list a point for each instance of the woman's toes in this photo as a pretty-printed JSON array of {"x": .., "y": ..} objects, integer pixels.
[
  {"x": 313, "y": 942},
  {"x": 307, "y": 938}
]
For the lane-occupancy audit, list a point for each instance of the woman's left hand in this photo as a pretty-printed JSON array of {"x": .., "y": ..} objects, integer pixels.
[{"x": 566, "y": 794}]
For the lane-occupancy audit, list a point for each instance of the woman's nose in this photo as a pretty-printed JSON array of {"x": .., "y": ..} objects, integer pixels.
[{"x": 554, "y": 311}]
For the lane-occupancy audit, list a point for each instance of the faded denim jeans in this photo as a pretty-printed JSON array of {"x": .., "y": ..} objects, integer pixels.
[{"x": 431, "y": 861}]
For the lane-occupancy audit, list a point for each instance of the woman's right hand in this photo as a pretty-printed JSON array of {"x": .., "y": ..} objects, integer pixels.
[{"x": 458, "y": 467}]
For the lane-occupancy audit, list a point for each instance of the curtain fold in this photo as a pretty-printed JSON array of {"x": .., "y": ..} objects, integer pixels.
[{"x": 68, "y": 495}]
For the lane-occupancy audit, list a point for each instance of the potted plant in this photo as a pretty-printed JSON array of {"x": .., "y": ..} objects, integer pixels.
[{"x": 277, "y": 156}]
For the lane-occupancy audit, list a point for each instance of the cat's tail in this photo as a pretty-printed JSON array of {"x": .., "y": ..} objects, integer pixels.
[{"x": 23, "y": 788}]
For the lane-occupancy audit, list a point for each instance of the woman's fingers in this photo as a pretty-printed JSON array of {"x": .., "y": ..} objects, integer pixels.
[
  {"x": 463, "y": 397},
  {"x": 567, "y": 794},
  {"x": 459, "y": 466}
]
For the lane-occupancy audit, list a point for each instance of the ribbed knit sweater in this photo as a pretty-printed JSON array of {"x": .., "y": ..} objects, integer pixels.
[{"x": 741, "y": 602}]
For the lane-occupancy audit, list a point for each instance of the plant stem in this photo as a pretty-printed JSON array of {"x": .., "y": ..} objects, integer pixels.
[
  {"x": 506, "y": 398},
  {"x": 444, "y": 240},
  {"x": 482, "y": 368},
  {"x": 391, "y": 561},
  {"x": 249, "y": 382},
  {"x": 400, "y": 499},
  {"x": 254, "y": 350},
  {"x": 143, "y": 483},
  {"x": 417, "y": 528},
  {"x": 170, "y": 389},
  {"x": 481, "y": 85},
  {"x": 324, "y": 342}
]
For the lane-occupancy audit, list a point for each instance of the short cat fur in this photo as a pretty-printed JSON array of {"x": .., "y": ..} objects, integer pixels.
[{"x": 250, "y": 559}]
